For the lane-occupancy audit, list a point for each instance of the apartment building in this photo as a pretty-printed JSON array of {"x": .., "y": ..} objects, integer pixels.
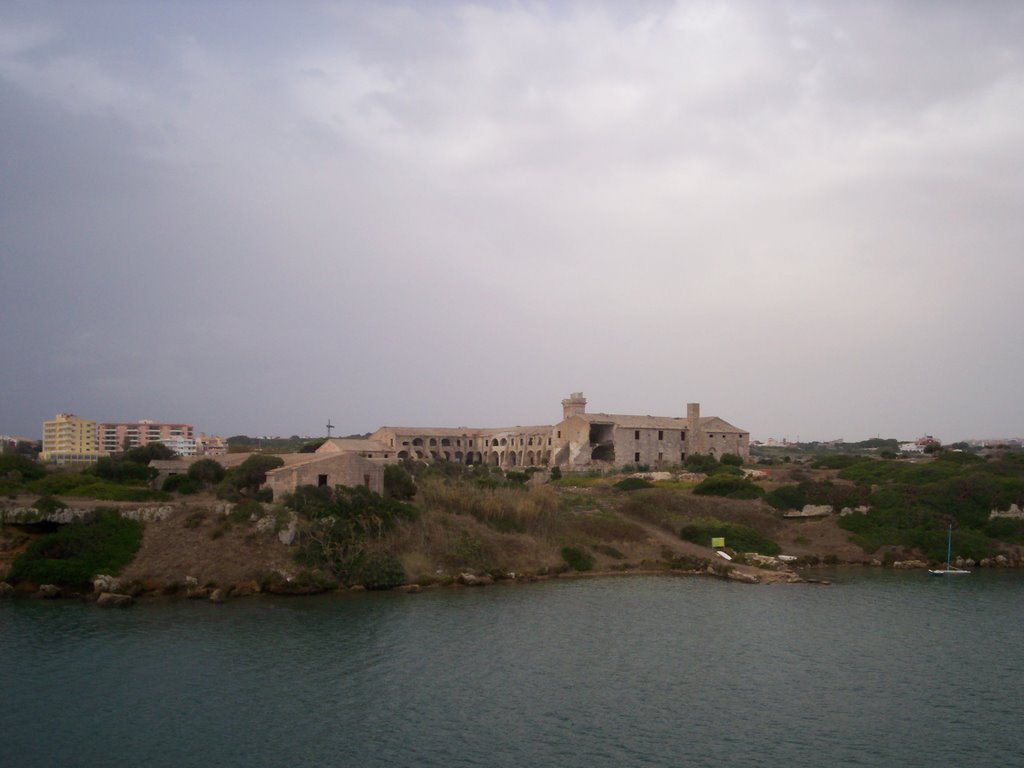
[
  {"x": 115, "y": 437},
  {"x": 68, "y": 439}
]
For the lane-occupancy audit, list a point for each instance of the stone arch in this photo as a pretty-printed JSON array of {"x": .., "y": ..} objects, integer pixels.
[
  {"x": 512, "y": 460},
  {"x": 419, "y": 454},
  {"x": 433, "y": 454},
  {"x": 447, "y": 456},
  {"x": 503, "y": 441},
  {"x": 494, "y": 458},
  {"x": 445, "y": 441},
  {"x": 433, "y": 441},
  {"x": 417, "y": 441},
  {"x": 529, "y": 458},
  {"x": 479, "y": 458},
  {"x": 458, "y": 455},
  {"x": 403, "y": 454}
]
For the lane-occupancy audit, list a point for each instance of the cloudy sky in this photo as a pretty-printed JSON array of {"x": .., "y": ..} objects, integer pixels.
[{"x": 253, "y": 217}]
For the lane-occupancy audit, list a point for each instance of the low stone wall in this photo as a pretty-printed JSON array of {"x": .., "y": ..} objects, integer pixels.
[{"x": 26, "y": 515}]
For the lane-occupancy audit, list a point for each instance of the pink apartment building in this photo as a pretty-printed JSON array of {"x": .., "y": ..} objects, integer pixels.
[{"x": 112, "y": 436}]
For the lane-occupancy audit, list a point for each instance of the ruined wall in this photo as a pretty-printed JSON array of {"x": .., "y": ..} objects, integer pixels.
[{"x": 647, "y": 445}]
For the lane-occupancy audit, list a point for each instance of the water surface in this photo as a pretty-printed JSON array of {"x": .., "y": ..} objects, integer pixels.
[{"x": 880, "y": 668}]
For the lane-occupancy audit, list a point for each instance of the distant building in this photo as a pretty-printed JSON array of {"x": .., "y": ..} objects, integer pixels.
[
  {"x": 115, "y": 437},
  {"x": 68, "y": 439},
  {"x": 210, "y": 445}
]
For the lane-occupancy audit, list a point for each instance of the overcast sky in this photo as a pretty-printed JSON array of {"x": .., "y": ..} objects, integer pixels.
[{"x": 253, "y": 217}]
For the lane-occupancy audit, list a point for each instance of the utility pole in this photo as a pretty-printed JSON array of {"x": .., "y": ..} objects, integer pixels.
[{"x": 329, "y": 428}]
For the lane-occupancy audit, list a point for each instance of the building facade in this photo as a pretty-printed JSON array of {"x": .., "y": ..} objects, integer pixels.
[
  {"x": 115, "y": 437},
  {"x": 68, "y": 439},
  {"x": 580, "y": 440}
]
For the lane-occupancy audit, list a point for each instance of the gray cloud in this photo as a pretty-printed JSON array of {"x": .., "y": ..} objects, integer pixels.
[{"x": 804, "y": 216}]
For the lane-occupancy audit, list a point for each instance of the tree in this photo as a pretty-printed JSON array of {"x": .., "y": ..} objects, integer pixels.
[
  {"x": 206, "y": 471},
  {"x": 732, "y": 459},
  {"x": 252, "y": 473},
  {"x": 701, "y": 462}
]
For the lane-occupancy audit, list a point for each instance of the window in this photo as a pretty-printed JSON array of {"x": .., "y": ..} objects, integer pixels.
[
  {"x": 661, "y": 434},
  {"x": 661, "y": 456},
  {"x": 636, "y": 457},
  {"x": 321, "y": 480},
  {"x": 636, "y": 434}
]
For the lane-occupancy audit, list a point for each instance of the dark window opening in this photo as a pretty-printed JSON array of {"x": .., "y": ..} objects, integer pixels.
[
  {"x": 661, "y": 434},
  {"x": 321, "y": 480},
  {"x": 636, "y": 457},
  {"x": 366, "y": 480},
  {"x": 636, "y": 434}
]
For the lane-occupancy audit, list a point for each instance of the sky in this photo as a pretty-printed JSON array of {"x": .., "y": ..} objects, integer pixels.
[{"x": 257, "y": 216}]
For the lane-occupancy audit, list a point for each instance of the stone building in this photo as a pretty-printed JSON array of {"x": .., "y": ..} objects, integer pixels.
[
  {"x": 329, "y": 469},
  {"x": 579, "y": 440}
]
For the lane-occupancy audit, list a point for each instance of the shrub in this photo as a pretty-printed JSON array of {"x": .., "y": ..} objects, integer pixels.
[
  {"x": 375, "y": 570},
  {"x": 701, "y": 462},
  {"x": 398, "y": 483},
  {"x": 632, "y": 484},
  {"x": 730, "y": 487},
  {"x": 120, "y": 470},
  {"x": 79, "y": 551},
  {"x": 786, "y": 497},
  {"x": 738, "y": 537},
  {"x": 556, "y": 473},
  {"x": 577, "y": 559},
  {"x": 245, "y": 510},
  {"x": 25, "y": 467},
  {"x": 48, "y": 504},
  {"x": 731, "y": 459},
  {"x": 609, "y": 550},
  {"x": 181, "y": 484},
  {"x": 838, "y": 461}
]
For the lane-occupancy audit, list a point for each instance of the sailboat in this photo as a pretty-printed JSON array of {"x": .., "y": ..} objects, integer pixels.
[{"x": 949, "y": 570}]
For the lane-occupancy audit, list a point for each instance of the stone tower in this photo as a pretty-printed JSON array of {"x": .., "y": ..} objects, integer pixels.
[
  {"x": 693, "y": 433},
  {"x": 574, "y": 405}
]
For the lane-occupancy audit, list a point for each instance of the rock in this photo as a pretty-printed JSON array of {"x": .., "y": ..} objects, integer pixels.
[
  {"x": 735, "y": 574},
  {"x": 198, "y": 593},
  {"x": 48, "y": 591},
  {"x": 357, "y": 588},
  {"x": 287, "y": 536},
  {"x": 114, "y": 600},
  {"x": 905, "y": 564},
  {"x": 6, "y": 590},
  {"x": 472, "y": 580},
  {"x": 810, "y": 510},
  {"x": 245, "y": 589},
  {"x": 1001, "y": 560},
  {"x": 986, "y": 562},
  {"x": 969, "y": 562},
  {"x": 218, "y": 596},
  {"x": 104, "y": 583},
  {"x": 876, "y": 562},
  {"x": 412, "y": 589},
  {"x": 191, "y": 582}
]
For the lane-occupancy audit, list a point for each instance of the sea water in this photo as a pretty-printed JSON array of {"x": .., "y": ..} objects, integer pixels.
[{"x": 880, "y": 668}]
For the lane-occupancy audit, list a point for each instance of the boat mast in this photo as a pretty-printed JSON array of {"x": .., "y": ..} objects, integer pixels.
[{"x": 949, "y": 547}]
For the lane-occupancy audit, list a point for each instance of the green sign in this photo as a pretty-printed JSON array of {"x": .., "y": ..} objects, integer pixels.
[{"x": 718, "y": 541}]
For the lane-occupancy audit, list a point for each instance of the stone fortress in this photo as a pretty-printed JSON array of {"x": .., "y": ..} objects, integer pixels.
[{"x": 581, "y": 440}]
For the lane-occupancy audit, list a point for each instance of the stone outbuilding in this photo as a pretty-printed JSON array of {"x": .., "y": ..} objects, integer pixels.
[{"x": 329, "y": 468}]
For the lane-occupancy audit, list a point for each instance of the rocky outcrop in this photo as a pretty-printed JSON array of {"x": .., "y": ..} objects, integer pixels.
[
  {"x": 48, "y": 591},
  {"x": 907, "y": 564},
  {"x": 1013, "y": 513},
  {"x": 114, "y": 600},
  {"x": 861, "y": 510},
  {"x": 810, "y": 510}
]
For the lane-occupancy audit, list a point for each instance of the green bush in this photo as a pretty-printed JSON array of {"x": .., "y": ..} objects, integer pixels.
[
  {"x": 398, "y": 483},
  {"x": 181, "y": 484},
  {"x": 48, "y": 504},
  {"x": 731, "y": 459},
  {"x": 206, "y": 471},
  {"x": 730, "y": 487},
  {"x": 577, "y": 559},
  {"x": 113, "y": 492},
  {"x": 738, "y": 537},
  {"x": 632, "y": 484},
  {"x": 120, "y": 470},
  {"x": 79, "y": 551},
  {"x": 837, "y": 461},
  {"x": 245, "y": 510},
  {"x": 375, "y": 570},
  {"x": 556, "y": 473},
  {"x": 701, "y": 462},
  {"x": 252, "y": 473},
  {"x": 786, "y": 497},
  {"x": 25, "y": 467}
]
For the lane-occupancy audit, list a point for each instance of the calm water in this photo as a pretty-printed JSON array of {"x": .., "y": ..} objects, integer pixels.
[{"x": 879, "y": 669}]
